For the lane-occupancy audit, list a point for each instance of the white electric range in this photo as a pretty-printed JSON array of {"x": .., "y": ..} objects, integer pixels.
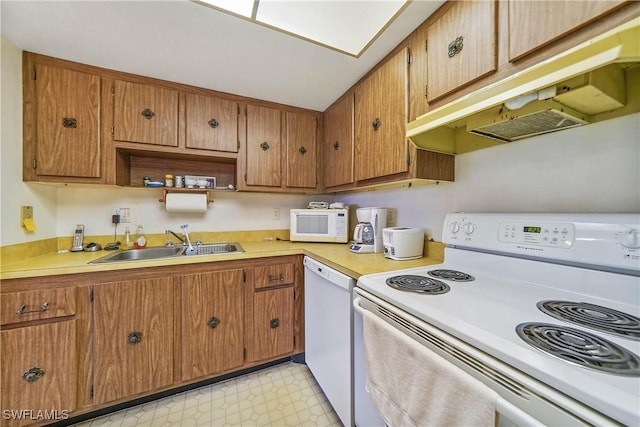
[{"x": 543, "y": 308}]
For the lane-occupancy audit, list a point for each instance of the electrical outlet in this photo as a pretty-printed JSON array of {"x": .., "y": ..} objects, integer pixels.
[
  {"x": 275, "y": 214},
  {"x": 26, "y": 212},
  {"x": 125, "y": 214}
]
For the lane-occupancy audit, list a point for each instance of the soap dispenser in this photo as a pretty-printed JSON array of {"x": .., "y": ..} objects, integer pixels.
[{"x": 141, "y": 241}]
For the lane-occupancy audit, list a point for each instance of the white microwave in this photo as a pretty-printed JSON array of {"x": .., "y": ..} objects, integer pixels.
[{"x": 319, "y": 225}]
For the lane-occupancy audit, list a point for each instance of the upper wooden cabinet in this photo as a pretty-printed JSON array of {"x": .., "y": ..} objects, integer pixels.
[
  {"x": 553, "y": 20},
  {"x": 380, "y": 120},
  {"x": 61, "y": 123},
  {"x": 264, "y": 146},
  {"x": 461, "y": 46},
  {"x": 338, "y": 143},
  {"x": 300, "y": 141},
  {"x": 145, "y": 113},
  {"x": 211, "y": 123}
]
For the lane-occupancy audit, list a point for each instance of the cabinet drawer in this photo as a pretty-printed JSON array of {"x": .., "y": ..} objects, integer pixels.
[
  {"x": 36, "y": 305},
  {"x": 273, "y": 275}
]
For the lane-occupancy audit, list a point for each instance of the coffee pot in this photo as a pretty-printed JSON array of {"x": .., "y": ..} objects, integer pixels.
[{"x": 367, "y": 235}]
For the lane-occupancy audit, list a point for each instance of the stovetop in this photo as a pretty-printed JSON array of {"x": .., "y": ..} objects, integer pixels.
[{"x": 495, "y": 312}]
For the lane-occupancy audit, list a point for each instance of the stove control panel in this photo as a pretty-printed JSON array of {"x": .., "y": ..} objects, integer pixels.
[{"x": 555, "y": 235}]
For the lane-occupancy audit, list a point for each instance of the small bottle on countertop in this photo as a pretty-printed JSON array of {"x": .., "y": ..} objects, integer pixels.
[
  {"x": 128, "y": 243},
  {"x": 141, "y": 241}
]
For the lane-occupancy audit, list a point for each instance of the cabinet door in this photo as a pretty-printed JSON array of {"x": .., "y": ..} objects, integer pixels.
[
  {"x": 461, "y": 46},
  {"x": 380, "y": 120},
  {"x": 418, "y": 104},
  {"x": 554, "y": 19},
  {"x": 39, "y": 368},
  {"x": 212, "y": 323},
  {"x": 145, "y": 114},
  {"x": 264, "y": 146},
  {"x": 211, "y": 123},
  {"x": 272, "y": 323},
  {"x": 133, "y": 337},
  {"x": 338, "y": 143},
  {"x": 300, "y": 135},
  {"x": 67, "y": 121}
]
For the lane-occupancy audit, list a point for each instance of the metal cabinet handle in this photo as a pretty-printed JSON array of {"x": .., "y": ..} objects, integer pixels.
[
  {"x": 148, "y": 114},
  {"x": 302, "y": 150},
  {"x": 23, "y": 309},
  {"x": 264, "y": 146},
  {"x": 336, "y": 145},
  {"x": 213, "y": 123},
  {"x": 376, "y": 123},
  {"x": 69, "y": 122},
  {"x": 33, "y": 374},
  {"x": 134, "y": 337},
  {"x": 455, "y": 47},
  {"x": 213, "y": 322},
  {"x": 278, "y": 278},
  {"x": 274, "y": 323}
]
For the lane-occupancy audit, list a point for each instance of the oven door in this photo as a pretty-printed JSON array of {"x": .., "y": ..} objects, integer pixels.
[{"x": 523, "y": 400}]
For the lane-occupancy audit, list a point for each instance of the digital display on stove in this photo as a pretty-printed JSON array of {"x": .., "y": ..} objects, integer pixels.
[{"x": 532, "y": 229}]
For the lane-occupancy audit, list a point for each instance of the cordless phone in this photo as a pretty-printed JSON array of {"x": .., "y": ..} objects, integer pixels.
[{"x": 78, "y": 238}]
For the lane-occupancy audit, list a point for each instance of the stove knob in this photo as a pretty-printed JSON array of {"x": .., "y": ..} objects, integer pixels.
[
  {"x": 468, "y": 228},
  {"x": 454, "y": 227},
  {"x": 630, "y": 239}
]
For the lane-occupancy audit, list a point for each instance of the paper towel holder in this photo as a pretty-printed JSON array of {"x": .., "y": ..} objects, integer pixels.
[{"x": 165, "y": 192}]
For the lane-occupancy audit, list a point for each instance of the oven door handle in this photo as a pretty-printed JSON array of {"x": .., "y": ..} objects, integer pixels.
[{"x": 503, "y": 407}]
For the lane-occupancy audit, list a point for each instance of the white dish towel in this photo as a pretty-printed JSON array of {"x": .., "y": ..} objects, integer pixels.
[{"x": 413, "y": 386}]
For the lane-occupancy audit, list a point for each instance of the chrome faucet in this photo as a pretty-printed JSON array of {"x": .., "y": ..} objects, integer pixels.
[{"x": 183, "y": 241}]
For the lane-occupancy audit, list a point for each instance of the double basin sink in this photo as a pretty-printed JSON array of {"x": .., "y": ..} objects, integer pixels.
[{"x": 170, "y": 252}]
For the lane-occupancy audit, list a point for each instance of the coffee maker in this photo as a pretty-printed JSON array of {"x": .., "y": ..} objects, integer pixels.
[{"x": 367, "y": 236}]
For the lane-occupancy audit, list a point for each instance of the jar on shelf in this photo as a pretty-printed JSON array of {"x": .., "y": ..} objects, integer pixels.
[
  {"x": 168, "y": 180},
  {"x": 179, "y": 181},
  {"x": 146, "y": 180}
]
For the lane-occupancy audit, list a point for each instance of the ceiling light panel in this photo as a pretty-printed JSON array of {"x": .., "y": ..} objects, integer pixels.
[{"x": 238, "y": 7}]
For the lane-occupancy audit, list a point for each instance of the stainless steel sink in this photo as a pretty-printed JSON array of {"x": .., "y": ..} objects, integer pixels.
[{"x": 170, "y": 252}]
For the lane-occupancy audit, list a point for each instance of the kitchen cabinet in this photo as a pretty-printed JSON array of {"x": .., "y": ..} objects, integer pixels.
[
  {"x": 211, "y": 123},
  {"x": 338, "y": 143},
  {"x": 212, "y": 323},
  {"x": 418, "y": 72},
  {"x": 61, "y": 123},
  {"x": 40, "y": 370},
  {"x": 271, "y": 315},
  {"x": 380, "y": 120},
  {"x": 133, "y": 336},
  {"x": 461, "y": 46},
  {"x": 145, "y": 114},
  {"x": 301, "y": 150},
  {"x": 554, "y": 20},
  {"x": 264, "y": 147}
]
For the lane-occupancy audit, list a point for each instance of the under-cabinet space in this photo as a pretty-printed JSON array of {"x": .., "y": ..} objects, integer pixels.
[{"x": 133, "y": 168}]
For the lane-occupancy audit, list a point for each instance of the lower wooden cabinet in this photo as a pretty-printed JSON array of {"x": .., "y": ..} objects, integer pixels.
[
  {"x": 133, "y": 337},
  {"x": 39, "y": 369},
  {"x": 212, "y": 323},
  {"x": 272, "y": 323}
]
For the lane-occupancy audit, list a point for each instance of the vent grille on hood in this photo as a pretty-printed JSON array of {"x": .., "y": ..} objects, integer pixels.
[{"x": 515, "y": 128}]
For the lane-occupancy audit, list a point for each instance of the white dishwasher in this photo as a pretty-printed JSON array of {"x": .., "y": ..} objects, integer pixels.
[{"x": 328, "y": 331}]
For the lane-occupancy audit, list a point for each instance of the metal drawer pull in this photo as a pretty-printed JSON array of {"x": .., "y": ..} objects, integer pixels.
[
  {"x": 264, "y": 146},
  {"x": 23, "y": 309},
  {"x": 33, "y": 374},
  {"x": 376, "y": 123},
  {"x": 274, "y": 323},
  {"x": 69, "y": 123},
  {"x": 302, "y": 150},
  {"x": 134, "y": 337},
  {"x": 213, "y": 123},
  {"x": 455, "y": 47},
  {"x": 148, "y": 114},
  {"x": 213, "y": 322},
  {"x": 336, "y": 145},
  {"x": 279, "y": 278}
]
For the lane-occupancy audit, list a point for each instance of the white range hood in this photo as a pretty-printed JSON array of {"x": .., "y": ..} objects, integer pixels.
[{"x": 491, "y": 115}]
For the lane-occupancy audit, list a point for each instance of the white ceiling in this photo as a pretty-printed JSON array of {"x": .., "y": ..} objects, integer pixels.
[{"x": 185, "y": 42}]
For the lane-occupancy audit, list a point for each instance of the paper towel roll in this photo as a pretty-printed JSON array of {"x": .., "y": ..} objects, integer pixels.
[{"x": 186, "y": 202}]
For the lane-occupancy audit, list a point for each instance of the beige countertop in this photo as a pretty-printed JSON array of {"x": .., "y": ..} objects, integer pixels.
[{"x": 332, "y": 254}]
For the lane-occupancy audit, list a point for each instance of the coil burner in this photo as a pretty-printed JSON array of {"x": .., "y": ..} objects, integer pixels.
[
  {"x": 581, "y": 348},
  {"x": 456, "y": 276},
  {"x": 594, "y": 316},
  {"x": 419, "y": 284}
]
